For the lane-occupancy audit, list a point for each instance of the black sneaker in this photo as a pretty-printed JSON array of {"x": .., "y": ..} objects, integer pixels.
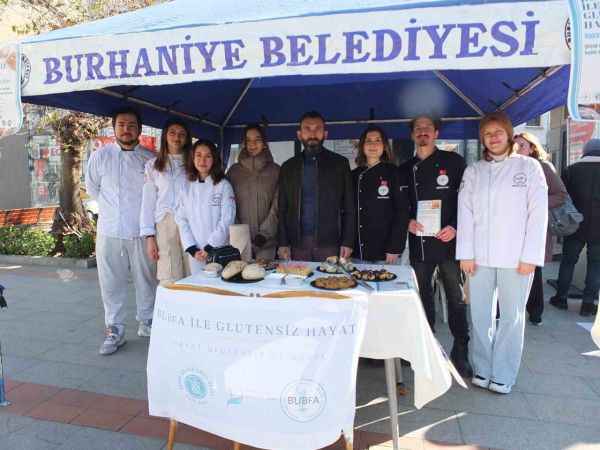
[
  {"x": 558, "y": 302},
  {"x": 460, "y": 358},
  {"x": 588, "y": 309},
  {"x": 535, "y": 321}
]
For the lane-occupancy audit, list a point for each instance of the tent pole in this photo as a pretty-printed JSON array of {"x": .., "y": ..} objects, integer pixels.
[
  {"x": 237, "y": 102},
  {"x": 531, "y": 85},
  {"x": 458, "y": 92},
  {"x": 154, "y": 106},
  {"x": 364, "y": 121}
]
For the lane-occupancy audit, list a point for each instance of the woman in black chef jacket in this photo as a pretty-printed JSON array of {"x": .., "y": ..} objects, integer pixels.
[{"x": 382, "y": 208}]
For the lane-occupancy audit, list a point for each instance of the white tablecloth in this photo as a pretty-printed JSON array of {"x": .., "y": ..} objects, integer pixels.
[{"x": 396, "y": 325}]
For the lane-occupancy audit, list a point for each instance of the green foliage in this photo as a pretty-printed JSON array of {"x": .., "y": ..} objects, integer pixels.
[
  {"x": 79, "y": 247},
  {"x": 26, "y": 241}
]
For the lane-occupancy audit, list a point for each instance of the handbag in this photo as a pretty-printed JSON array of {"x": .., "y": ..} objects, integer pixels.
[
  {"x": 564, "y": 220},
  {"x": 222, "y": 255}
]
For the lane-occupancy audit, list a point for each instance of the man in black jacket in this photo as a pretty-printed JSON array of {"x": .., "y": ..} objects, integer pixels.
[
  {"x": 432, "y": 179},
  {"x": 316, "y": 204},
  {"x": 582, "y": 180}
]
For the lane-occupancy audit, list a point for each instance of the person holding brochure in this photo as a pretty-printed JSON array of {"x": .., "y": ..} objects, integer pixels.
[
  {"x": 501, "y": 238},
  {"x": 381, "y": 207},
  {"x": 164, "y": 177},
  {"x": 206, "y": 206},
  {"x": 432, "y": 179}
]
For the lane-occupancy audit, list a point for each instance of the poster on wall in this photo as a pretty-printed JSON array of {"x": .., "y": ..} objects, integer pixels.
[
  {"x": 580, "y": 132},
  {"x": 11, "y": 111},
  {"x": 584, "y": 89}
]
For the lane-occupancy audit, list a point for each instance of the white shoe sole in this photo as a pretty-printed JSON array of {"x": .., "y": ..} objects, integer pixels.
[
  {"x": 480, "y": 383},
  {"x": 141, "y": 333},
  {"x": 498, "y": 389}
]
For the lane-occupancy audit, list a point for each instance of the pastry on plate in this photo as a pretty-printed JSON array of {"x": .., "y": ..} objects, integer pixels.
[
  {"x": 233, "y": 268},
  {"x": 253, "y": 272}
]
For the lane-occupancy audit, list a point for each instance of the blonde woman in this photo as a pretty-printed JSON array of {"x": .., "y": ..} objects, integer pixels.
[
  {"x": 529, "y": 145},
  {"x": 501, "y": 235}
]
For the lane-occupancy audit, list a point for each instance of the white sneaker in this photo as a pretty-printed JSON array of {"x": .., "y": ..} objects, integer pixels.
[
  {"x": 499, "y": 388},
  {"x": 145, "y": 328},
  {"x": 113, "y": 339},
  {"x": 480, "y": 382}
]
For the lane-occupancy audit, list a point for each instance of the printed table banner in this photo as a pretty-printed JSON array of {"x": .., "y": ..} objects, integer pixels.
[
  {"x": 271, "y": 373},
  {"x": 584, "y": 88},
  {"x": 11, "y": 111},
  {"x": 492, "y": 35}
]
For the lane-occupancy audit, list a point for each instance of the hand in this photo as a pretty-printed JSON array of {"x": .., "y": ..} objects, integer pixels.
[
  {"x": 468, "y": 266},
  {"x": 446, "y": 234},
  {"x": 345, "y": 252},
  {"x": 525, "y": 269},
  {"x": 391, "y": 258},
  {"x": 414, "y": 227},
  {"x": 284, "y": 253},
  {"x": 152, "y": 248},
  {"x": 200, "y": 255}
]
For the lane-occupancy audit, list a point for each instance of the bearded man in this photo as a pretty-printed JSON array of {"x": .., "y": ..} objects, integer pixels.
[{"x": 316, "y": 199}]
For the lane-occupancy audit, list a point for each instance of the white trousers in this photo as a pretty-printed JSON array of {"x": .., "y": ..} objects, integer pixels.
[
  {"x": 496, "y": 350},
  {"x": 116, "y": 259}
]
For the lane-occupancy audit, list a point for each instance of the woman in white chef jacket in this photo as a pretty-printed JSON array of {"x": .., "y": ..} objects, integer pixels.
[
  {"x": 164, "y": 177},
  {"x": 502, "y": 217},
  {"x": 206, "y": 206}
]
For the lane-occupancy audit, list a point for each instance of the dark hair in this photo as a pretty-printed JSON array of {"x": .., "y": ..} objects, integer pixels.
[
  {"x": 216, "y": 171},
  {"x": 127, "y": 110},
  {"x": 361, "y": 158},
  {"x": 163, "y": 152},
  {"x": 437, "y": 123},
  {"x": 261, "y": 131},
  {"x": 311, "y": 115}
]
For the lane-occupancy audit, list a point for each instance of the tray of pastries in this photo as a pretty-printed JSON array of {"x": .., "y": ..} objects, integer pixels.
[
  {"x": 373, "y": 275},
  {"x": 330, "y": 265},
  {"x": 333, "y": 283},
  {"x": 242, "y": 272},
  {"x": 292, "y": 268}
]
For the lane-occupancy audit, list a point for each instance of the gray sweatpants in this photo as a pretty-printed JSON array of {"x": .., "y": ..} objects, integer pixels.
[
  {"x": 496, "y": 350},
  {"x": 116, "y": 258}
]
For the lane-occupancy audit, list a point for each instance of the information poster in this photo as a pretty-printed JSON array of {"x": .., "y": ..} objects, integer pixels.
[
  {"x": 11, "y": 113},
  {"x": 584, "y": 89}
]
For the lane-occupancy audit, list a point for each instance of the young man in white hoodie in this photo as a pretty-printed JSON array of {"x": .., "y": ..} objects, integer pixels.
[
  {"x": 501, "y": 238},
  {"x": 115, "y": 178}
]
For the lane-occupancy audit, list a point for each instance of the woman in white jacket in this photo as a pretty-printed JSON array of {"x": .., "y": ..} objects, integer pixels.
[
  {"x": 206, "y": 206},
  {"x": 164, "y": 178},
  {"x": 502, "y": 218}
]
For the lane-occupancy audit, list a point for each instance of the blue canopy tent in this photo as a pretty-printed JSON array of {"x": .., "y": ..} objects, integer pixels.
[{"x": 219, "y": 103}]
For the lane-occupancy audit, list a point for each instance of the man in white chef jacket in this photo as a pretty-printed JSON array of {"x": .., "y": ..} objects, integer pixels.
[{"x": 115, "y": 178}]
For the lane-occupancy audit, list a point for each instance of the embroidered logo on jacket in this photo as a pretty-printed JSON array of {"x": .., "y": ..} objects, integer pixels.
[{"x": 520, "y": 179}]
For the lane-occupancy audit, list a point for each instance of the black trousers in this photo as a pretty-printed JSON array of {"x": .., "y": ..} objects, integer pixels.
[
  {"x": 453, "y": 281},
  {"x": 535, "y": 302}
]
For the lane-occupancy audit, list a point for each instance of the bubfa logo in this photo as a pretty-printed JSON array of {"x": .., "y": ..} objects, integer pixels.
[{"x": 303, "y": 400}]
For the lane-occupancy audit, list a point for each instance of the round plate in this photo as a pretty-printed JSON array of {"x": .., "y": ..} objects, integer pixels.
[
  {"x": 330, "y": 273},
  {"x": 312, "y": 283},
  {"x": 239, "y": 280},
  {"x": 382, "y": 281}
]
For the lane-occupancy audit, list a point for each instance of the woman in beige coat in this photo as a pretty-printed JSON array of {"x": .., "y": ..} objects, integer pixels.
[
  {"x": 529, "y": 145},
  {"x": 255, "y": 180}
]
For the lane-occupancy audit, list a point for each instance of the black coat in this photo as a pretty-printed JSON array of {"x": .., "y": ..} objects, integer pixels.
[
  {"x": 425, "y": 180},
  {"x": 381, "y": 212},
  {"x": 335, "y": 224},
  {"x": 582, "y": 180}
]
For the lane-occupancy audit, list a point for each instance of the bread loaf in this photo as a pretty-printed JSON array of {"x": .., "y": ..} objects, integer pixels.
[
  {"x": 253, "y": 272},
  {"x": 232, "y": 269}
]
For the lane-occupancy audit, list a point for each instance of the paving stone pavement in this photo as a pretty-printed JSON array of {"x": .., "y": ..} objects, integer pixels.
[{"x": 53, "y": 327}]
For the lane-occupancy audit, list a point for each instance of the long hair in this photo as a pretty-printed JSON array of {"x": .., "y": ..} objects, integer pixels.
[
  {"x": 261, "y": 131},
  {"x": 216, "y": 171},
  {"x": 503, "y": 120},
  {"x": 361, "y": 158},
  {"x": 537, "y": 150},
  {"x": 163, "y": 153}
]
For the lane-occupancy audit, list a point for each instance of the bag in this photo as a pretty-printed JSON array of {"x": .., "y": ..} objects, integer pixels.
[
  {"x": 564, "y": 220},
  {"x": 222, "y": 255}
]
